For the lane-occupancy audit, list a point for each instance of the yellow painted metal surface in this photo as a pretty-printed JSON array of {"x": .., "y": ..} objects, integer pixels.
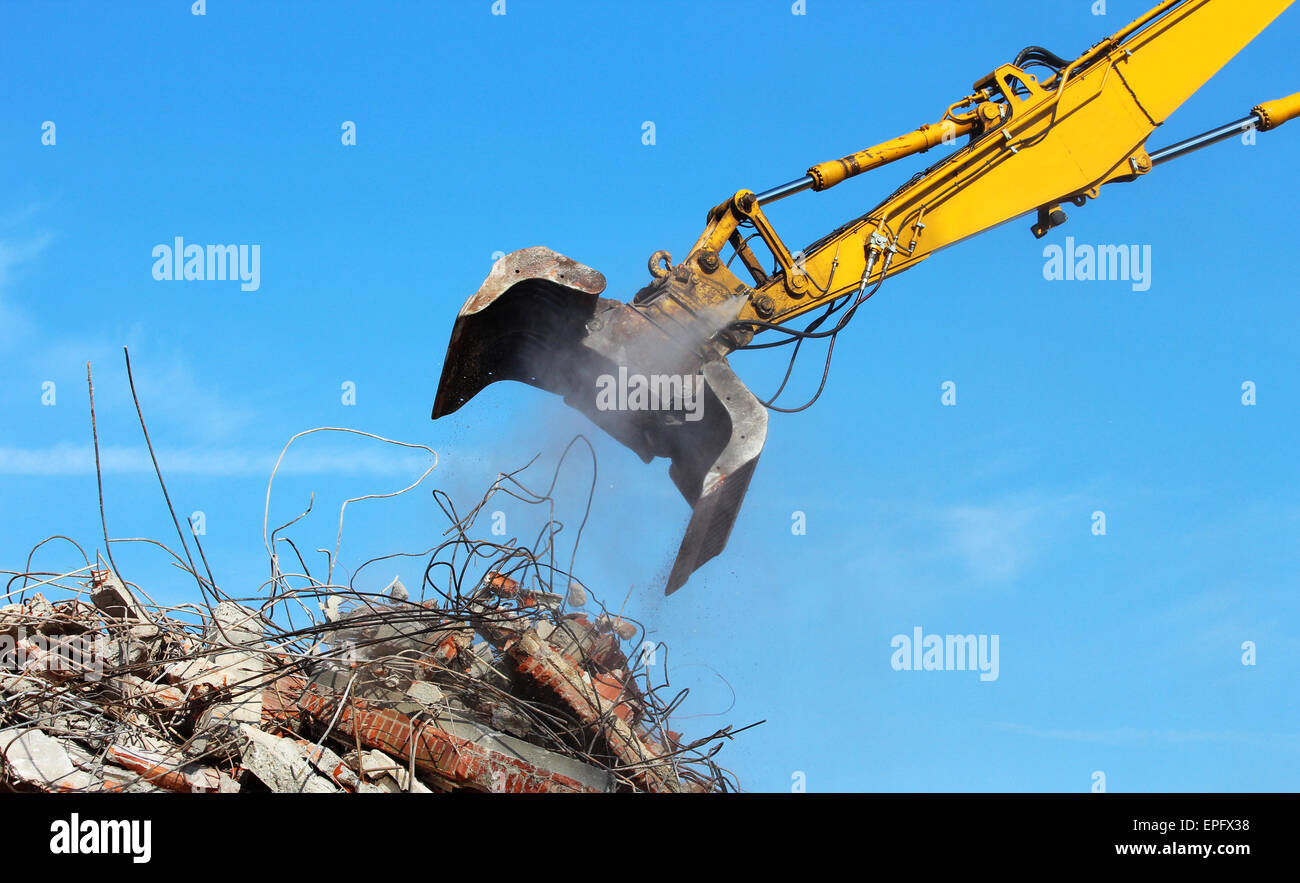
[
  {"x": 1032, "y": 145},
  {"x": 1275, "y": 113}
]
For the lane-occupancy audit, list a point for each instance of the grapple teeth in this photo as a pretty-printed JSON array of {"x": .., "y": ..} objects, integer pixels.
[
  {"x": 538, "y": 319},
  {"x": 713, "y": 473}
]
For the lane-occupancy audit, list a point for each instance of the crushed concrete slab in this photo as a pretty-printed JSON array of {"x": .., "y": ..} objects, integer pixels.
[
  {"x": 281, "y": 764},
  {"x": 39, "y": 760}
]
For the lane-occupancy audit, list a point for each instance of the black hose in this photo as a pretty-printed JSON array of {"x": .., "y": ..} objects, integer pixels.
[{"x": 1039, "y": 55}]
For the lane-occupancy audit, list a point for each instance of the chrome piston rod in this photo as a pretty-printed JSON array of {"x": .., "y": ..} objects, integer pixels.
[{"x": 1205, "y": 139}]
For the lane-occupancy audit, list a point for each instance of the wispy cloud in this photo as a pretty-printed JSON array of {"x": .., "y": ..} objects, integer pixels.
[
  {"x": 995, "y": 541},
  {"x": 930, "y": 546},
  {"x": 14, "y": 253},
  {"x": 189, "y": 406},
  {"x": 183, "y": 398},
  {"x": 67, "y": 459},
  {"x": 1137, "y": 735}
]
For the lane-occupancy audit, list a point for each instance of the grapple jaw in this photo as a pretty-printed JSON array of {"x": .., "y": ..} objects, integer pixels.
[
  {"x": 661, "y": 387},
  {"x": 713, "y": 468}
]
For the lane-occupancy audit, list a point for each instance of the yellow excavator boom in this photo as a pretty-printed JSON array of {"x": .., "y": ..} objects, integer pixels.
[{"x": 1034, "y": 145}]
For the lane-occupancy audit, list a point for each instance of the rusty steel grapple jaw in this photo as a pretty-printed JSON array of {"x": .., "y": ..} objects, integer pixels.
[{"x": 652, "y": 373}]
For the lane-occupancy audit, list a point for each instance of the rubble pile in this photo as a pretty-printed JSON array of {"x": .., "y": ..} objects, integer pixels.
[
  {"x": 496, "y": 689},
  {"x": 503, "y": 673}
]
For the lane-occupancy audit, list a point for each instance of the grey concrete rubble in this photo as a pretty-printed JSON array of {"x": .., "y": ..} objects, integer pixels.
[
  {"x": 281, "y": 764},
  {"x": 499, "y": 686},
  {"x": 35, "y": 758},
  {"x": 238, "y": 669}
]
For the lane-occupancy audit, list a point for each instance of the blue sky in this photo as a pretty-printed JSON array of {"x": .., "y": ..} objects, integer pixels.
[{"x": 478, "y": 134}]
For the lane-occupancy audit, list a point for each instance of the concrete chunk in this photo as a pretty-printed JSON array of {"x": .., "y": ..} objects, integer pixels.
[
  {"x": 425, "y": 693},
  {"x": 40, "y": 760},
  {"x": 110, "y": 594},
  {"x": 281, "y": 764},
  {"x": 233, "y": 627}
]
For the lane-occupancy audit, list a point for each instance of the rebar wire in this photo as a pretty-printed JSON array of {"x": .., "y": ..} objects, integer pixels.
[
  {"x": 270, "y": 551},
  {"x": 154, "y": 457},
  {"x": 138, "y": 694},
  {"x": 99, "y": 476}
]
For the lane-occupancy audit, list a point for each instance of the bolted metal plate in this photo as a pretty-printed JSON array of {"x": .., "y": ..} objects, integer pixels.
[{"x": 538, "y": 319}]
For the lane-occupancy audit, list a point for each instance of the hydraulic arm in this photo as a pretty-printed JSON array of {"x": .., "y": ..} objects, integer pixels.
[{"x": 1033, "y": 135}]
